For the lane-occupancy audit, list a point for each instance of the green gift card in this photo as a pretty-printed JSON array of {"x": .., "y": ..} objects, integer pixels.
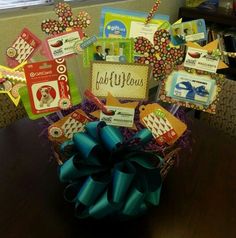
[
  {"x": 110, "y": 50},
  {"x": 116, "y": 23}
]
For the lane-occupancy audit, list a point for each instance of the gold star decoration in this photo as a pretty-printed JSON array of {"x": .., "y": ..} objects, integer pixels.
[{"x": 16, "y": 77}]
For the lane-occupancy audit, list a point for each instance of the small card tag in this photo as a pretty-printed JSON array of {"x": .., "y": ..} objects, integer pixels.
[
  {"x": 64, "y": 129},
  {"x": 75, "y": 123},
  {"x": 201, "y": 60},
  {"x": 118, "y": 116},
  {"x": 62, "y": 45},
  {"x": 79, "y": 117},
  {"x": 23, "y": 48},
  {"x": 160, "y": 127},
  {"x": 47, "y": 84},
  {"x": 165, "y": 127}
]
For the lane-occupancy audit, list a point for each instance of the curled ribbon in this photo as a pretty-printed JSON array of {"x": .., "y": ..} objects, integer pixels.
[
  {"x": 192, "y": 91},
  {"x": 109, "y": 176}
]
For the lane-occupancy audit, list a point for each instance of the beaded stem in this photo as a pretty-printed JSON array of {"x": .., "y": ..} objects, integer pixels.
[
  {"x": 218, "y": 53},
  {"x": 153, "y": 11}
]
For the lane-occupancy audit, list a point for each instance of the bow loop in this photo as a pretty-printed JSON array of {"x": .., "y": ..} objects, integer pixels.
[{"x": 88, "y": 148}]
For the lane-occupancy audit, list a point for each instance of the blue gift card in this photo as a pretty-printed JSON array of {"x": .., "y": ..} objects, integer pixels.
[
  {"x": 192, "y": 88},
  {"x": 182, "y": 33}
]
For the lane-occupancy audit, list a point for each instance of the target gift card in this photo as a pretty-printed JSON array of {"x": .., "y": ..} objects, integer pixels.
[{"x": 47, "y": 84}]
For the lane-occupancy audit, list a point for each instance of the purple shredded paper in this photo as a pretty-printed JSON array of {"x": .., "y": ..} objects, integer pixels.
[{"x": 185, "y": 142}]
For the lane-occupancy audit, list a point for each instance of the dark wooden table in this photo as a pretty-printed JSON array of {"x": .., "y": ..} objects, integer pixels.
[{"x": 198, "y": 198}]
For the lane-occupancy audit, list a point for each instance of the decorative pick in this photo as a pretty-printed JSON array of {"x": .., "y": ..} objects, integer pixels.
[{"x": 153, "y": 11}]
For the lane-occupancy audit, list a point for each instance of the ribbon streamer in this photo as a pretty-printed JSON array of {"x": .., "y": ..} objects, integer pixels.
[
  {"x": 152, "y": 11},
  {"x": 192, "y": 91},
  {"x": 96, "y": 101},
  {"x": 108, "y": 176}
]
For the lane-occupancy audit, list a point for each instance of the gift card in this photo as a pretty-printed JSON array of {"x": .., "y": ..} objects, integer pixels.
[
  {"x": 210, "y": 48},
  {"x": 23, "y": 48},
  {"x": 201, "y": 59},
  {"x": 214, "y": 97},
  {"x": 117, "y": 113},
  {"x": 110, "y": 50},
  {"x": 160, "y": 127},
  {"x": 191, "y": 88},
  {"x": 118, "y": 116},
  {"x": 125, "y": 81},
  {"x": 62, "y": 45},
  {"x": 48, "y": 87},
  {"x": 74, "y": 93},
  {"x": 64, "y": 129},
  {"x": 165, "y": 127},
  {"x": 117, "y": 23},
  {"x": 188, "y": 31}
]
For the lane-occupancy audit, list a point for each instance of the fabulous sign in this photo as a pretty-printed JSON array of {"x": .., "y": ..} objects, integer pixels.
[{"x": 128, "y": 81}]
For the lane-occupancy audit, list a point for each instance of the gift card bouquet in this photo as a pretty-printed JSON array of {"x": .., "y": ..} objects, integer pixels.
[{"x": 115, "y": 140}]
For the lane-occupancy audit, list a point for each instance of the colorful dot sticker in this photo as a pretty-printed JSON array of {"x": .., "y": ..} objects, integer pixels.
[
  {"x": 64, "y": 104},
  {"x": 15, "y": 89},
  {"x": 55, "y": 132},
  {"x": 7, "y": 85},
  {"x": 11, "y": 52}
]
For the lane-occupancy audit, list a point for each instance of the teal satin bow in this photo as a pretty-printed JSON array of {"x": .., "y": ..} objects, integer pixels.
[{"x": 108, "y": 175}]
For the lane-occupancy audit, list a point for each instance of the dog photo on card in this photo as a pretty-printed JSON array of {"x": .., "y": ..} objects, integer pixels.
[
  {"x": 45, "y": 95},
  {"x": 47, "y": 84}
]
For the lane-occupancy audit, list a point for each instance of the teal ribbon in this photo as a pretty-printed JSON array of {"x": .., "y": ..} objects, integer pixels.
[{"x": 108, "y": 175}]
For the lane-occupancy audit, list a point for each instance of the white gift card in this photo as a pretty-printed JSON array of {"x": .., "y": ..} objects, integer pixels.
[
  {"x": 118, "y": 116},
  {"x": 63, "y": 45},
  {"x": 200, "y": 59}
]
